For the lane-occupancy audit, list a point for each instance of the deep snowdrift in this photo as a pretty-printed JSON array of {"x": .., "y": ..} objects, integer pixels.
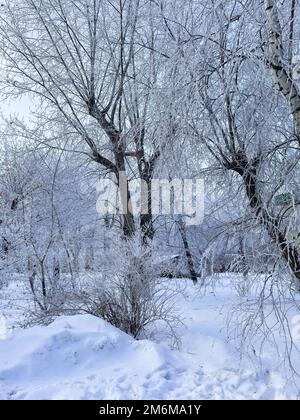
[{"x": 83, "y": 357}]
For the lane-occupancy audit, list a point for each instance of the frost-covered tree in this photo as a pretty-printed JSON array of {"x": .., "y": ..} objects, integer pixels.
[{"x": 90, "y": 68}]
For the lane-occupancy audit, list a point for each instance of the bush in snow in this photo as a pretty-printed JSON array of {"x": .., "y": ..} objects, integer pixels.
[{"x": 131, "y": 295}]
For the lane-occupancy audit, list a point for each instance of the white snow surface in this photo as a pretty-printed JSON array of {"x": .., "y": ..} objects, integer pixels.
[{"x": 84, "y": 357}]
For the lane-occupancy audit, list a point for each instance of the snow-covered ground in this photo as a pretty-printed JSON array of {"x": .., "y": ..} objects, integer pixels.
[{"x": 83, "y": 357}]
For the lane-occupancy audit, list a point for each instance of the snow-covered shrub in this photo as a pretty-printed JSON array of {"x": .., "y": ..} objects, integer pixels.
[{"x": 131, "y": 295}]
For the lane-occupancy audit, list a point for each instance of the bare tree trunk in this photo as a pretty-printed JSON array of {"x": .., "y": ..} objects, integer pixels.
[
  {"x": 146, "y": 222},
  {"x": 188, "y": 252},
  {"x": 248, "y": 171},
  {"x": 128, "y": 219},
  {"x": 281, "y": 75},
  {"x": 146, "y": 170}
]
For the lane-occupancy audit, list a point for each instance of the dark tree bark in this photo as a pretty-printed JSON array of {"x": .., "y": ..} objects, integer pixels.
[
  {"x": 188, "y": 252},
  {"x": 248, "y": 171}
]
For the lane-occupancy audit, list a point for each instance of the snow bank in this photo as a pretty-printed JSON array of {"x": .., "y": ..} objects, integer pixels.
[
  {"x": 79, "y": 357},
  {"x": 83, "y": 357}
]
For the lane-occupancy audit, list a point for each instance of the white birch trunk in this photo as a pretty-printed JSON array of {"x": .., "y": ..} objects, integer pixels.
[{"x": 280, "y": 73}]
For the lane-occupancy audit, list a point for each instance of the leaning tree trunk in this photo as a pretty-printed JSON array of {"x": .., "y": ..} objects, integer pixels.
[
  {"x": 248, "y": 171},
  {"x": 117, "y": 167}
]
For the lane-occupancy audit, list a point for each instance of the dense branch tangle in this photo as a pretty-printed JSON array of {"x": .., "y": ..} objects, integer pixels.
[
  {"x": 235, "y": 117},
  {"x": 281, "y": 73},
  {"x": 82, "y": 59}
]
